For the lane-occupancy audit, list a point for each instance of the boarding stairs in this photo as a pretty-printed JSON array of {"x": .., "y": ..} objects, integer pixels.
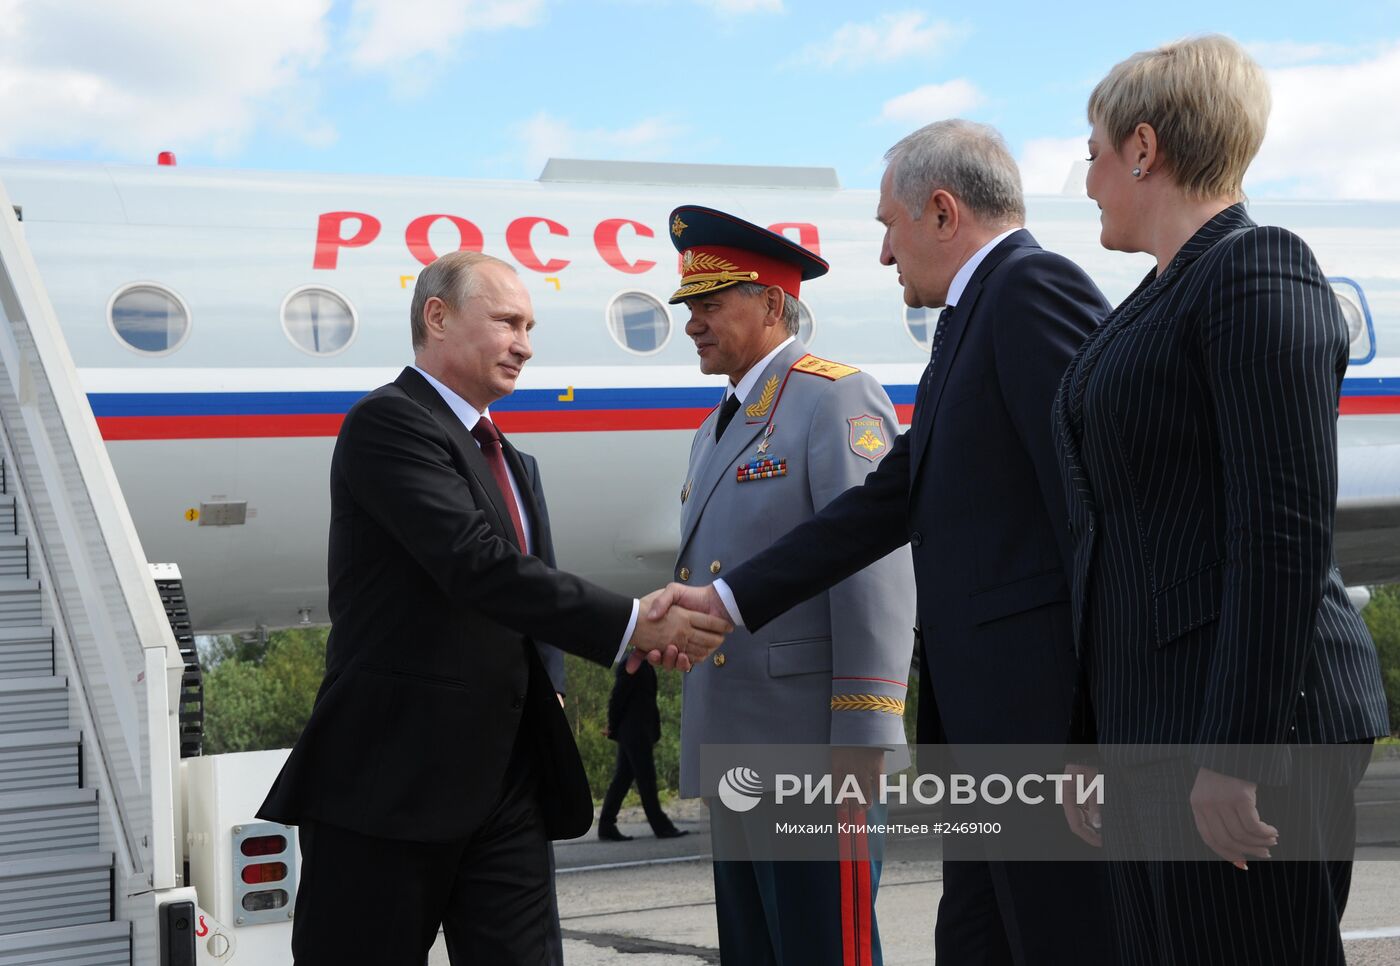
[
  {"x": 55, "y": 880},
  {"x": 90, "y": 674}
]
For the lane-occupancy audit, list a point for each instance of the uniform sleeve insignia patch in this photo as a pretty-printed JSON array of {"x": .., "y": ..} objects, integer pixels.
[
  {"x": 823, "y": 367},
  {"x": 867, "y": 437},
  {"x": 765, "y": 401},
  {"x": 867, "y": 702}
]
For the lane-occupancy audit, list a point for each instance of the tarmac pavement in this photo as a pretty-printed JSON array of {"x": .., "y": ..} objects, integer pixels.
[{"x": 651, "y": 903}]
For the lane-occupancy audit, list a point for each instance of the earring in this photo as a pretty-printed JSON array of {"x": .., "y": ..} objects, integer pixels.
[{"x": 1137, "y": 172}]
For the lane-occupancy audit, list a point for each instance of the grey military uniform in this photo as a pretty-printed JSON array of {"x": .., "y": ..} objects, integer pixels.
[{"x": 832, "y": 669}]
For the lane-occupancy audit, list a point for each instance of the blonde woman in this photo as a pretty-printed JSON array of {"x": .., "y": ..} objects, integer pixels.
[{"x": 1197, "y": 435}]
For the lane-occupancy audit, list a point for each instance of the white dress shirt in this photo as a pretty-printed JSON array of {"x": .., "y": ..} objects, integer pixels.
[
  {"x": 467, "y": 413},
  {"x": 750, "y": 379},
  {"x": 964, "y": 275}
]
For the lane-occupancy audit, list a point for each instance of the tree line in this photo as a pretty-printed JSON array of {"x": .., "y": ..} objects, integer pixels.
[{"x": 258, "y": 694}]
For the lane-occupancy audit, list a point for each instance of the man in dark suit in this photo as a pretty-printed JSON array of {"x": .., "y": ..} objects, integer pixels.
[
  {"x": 974, "y": 488},
  {"x": 437, "y": 763},
  {"x": 634, "y": 722}
]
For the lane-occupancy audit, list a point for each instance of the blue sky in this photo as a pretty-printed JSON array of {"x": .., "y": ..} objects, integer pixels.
[{"x": 485, "y": 88}]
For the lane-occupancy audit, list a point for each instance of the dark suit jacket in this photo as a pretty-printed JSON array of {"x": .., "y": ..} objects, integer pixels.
[
  {"x": 1198, "y": 429},
  {"x": 431, "y": 673},
  {"x": 974, "y": 487},
  {"x": 550, "y": 656},
  {"x": 632, "y": 711}
]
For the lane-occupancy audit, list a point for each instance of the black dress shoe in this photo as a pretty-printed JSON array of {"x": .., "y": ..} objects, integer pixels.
[
  {"x": 672, "y": 833},
  {"x": 607, "y": 831}
]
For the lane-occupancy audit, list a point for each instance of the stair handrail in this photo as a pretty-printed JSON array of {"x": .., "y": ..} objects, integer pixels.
[{"x": 124, "y": 660}]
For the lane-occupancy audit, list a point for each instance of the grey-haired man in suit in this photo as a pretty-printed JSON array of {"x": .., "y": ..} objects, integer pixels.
[{"x": 794, "y": 431}]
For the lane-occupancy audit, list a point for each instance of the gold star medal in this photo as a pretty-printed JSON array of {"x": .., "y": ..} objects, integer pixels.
[{"x": 767, "y": 433}]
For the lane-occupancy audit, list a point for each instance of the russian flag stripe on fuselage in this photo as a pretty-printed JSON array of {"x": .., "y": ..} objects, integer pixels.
[{"x": 225, "y": 415}]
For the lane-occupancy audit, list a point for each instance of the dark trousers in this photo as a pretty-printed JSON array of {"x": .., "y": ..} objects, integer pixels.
[
  {"x": 634, "y": 764},
  {"x": 364, "y": 899},
  {"x": 1280, "y": 912},
  {"x": 1024, "y": 914},
  {"x": 792, "y": 913},
  {"x": 998, "y": 908}
]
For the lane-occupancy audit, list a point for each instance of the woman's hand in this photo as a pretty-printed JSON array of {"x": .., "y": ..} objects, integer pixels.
[
  {"x": 1228, "y": 819},
  {"x": 1085, "y": 821}
]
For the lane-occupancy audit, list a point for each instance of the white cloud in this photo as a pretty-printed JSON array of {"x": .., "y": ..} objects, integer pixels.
[
  {"x": 744, "y": 6},
  {"x": 1048, "y": 164},
  {"x": 932, "y": 102},
  {"x": 1285, "y": 53},
  {"x": 890, "y": 37},
  {"x": 385, "y": 34},
  {"x": 545, "y": 136},
  {"x": 1334, "y": 131},
  {"x": 133, "y": 78}
]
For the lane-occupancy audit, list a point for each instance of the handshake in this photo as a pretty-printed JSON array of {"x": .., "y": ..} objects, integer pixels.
[{"x": 678, "y": 627}]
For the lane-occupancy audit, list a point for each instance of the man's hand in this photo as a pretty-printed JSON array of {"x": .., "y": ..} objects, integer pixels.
[
  {"x": 865, "y": 764},
  {"x": 1228, "y": 820},
  {"x": 674, "y": 636},
  {"x": 702, "y": 599},
  {"x": 1085, "y": 821}
]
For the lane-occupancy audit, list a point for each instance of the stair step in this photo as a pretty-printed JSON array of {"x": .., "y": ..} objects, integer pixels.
[
  {"x": 19, "y": 632},
  {"x": 97, "y": 944},
  {"x": 55, "y": 891},
  {"x": 14, "y": 555},
  {"x": 33, "y": 704},
  {"x": 48, "y": 822},
  {"x": 20, "y": 601},
  {"x": 35, "y": 760},
  {"x": 26, "y": 651}
]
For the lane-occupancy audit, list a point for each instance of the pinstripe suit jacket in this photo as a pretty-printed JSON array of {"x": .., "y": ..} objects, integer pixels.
[{"x": 1197, "y": 430}]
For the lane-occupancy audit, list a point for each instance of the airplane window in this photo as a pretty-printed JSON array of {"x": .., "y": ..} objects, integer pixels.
[
  {"x": 318, "y": 320},
  {"x": 639, "y": 322},
  {"x": 1356, "y": 322},
  {"x": 806, "y": 325},
  {"x": 1352, "y": 301},
  {"x": 920, "y": 323},
  {"x": 149, "y": 318}
]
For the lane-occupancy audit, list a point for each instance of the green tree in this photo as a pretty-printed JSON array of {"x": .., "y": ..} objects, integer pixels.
[
  {"x": 1382, "y": 616},
  {"x": 256, "y": 698},
  {"x": 586, "y": 704}
]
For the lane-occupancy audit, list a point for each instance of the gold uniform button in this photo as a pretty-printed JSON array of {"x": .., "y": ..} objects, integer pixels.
[
  {"x": 714, "y": 567},
  {"x": 685, "y": 573},
  {"x": 719, "y": 660}
]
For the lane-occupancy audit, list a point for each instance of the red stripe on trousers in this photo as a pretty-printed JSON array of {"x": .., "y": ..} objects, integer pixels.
[{"x": 856, "y": 901}]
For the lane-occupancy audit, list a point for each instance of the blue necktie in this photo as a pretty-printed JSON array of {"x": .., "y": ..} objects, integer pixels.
[{"x": 936, "y": 344}]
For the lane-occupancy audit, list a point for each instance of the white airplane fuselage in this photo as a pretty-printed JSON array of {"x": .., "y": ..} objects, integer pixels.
[{"x": 236, "y": 412}]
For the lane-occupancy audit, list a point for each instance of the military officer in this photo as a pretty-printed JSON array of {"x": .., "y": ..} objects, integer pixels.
[{"x": 792, "y": 433}]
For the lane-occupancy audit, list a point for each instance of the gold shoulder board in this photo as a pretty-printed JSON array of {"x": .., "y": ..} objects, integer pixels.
[{"x": 823, "y": 367}]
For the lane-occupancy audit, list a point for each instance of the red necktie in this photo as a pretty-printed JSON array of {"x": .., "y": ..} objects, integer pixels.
[{"x": 489, "y": 437}]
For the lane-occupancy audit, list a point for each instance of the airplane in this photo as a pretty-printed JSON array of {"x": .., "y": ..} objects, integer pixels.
[{"x": 223, "y": 322}]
